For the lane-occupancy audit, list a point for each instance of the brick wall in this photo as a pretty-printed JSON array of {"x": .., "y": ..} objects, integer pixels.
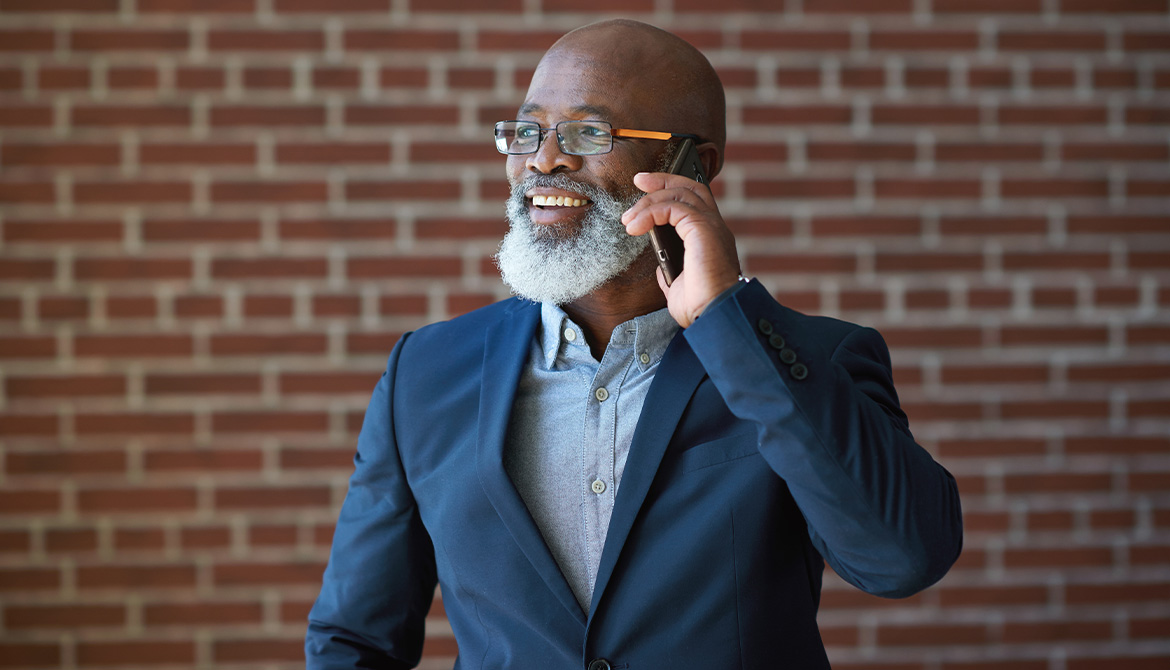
[{"x": 218, "y": 216}]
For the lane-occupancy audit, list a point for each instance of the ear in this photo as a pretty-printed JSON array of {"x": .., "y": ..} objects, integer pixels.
[{"x": 711, "y": 157}]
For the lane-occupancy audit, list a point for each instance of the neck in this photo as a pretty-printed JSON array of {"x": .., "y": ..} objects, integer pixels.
[{"x": 629, "y": 295}]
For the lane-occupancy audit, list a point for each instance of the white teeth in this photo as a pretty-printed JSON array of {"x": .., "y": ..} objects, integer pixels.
[{"x": 556, "y": 201}]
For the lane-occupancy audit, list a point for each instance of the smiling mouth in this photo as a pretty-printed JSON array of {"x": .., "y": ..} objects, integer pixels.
[{"x": 558, "y": 201}]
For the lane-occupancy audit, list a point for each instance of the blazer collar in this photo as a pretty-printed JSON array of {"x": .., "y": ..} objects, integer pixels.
[{"x": 506, "y": 350}]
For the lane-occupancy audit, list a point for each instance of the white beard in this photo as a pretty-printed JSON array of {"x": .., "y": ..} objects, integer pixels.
[{"x": 546, "y": 264}]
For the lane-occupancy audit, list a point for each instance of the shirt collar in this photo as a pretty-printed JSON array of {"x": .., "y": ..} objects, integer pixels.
[{"x": 648, "y": 334}]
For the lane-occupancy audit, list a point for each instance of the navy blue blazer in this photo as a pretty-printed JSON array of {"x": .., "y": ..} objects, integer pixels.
[{"x": 770, "y": 442}]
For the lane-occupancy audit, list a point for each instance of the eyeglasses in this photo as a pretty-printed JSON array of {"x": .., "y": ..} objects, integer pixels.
[{"x": 578, "y": 138}]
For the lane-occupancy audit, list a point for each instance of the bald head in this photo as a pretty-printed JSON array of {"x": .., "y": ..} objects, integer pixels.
[{"x": 667, "y": 81}]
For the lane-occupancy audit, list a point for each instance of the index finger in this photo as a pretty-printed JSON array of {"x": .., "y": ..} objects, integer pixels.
[{"x": 650, "y": 182}]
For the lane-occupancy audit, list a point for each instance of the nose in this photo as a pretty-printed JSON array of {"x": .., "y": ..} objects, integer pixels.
[{"x": 549, "y": 158}]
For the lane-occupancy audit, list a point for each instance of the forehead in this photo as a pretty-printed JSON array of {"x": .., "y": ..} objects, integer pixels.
[{"x": 569, "y": 85}]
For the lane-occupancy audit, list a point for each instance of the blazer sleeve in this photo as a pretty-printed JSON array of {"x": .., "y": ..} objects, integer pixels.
[
  {"x": 879, "y": 509},
  {"x": 381, "y": 575}
]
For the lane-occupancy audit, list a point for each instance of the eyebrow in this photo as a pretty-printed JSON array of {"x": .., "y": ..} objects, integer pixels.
[{"x": 598, "y": 111}]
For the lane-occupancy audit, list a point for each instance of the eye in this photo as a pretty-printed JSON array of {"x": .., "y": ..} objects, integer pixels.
[{"x": 527, "y": 132}]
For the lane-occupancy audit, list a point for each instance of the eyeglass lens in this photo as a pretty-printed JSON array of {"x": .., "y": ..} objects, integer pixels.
[{"x": 581, "y": 138}]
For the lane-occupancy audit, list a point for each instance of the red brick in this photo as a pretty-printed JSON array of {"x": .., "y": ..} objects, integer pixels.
[
  {"x": 27, "y": 501},
  {"x": 71, "y": 540},
  {"x": 931, "y": 634},
  {"x": 131, "y": 269},
  {"x": 266, "y": 40},
  {"x": 268, "y": 345},
  {"x": 195, "y": 6},
  {"x": 924, "y": 40},
  {"x": 926, "y": 77},
  {"x": 1096, "y": 152},
  {"x": 1144, "y": 41},
  {"x": 393, "y": 115},
  {"x": 58, "y": 462},
  {"x": 933, "y": 338},
  {"x": 266, "y": 191},
  {"x": 122, "y": 78},
  {"x": 11, "y": 78},
  {"x": 1116, "y": 592},
  {"x": 797, "y": 115},
  {"x": 60, "y": 308},
  {"x": 268, "y": 78},
  {"x": 205, "y": 538},
  {"x": 198, "y": 306},
  {"x": 337, "y": 306},
  {"x": 947, "y": 152},
  {"x": 403, "y": 77},
  {"x": 327, "y": 382},
  {"x": 535, "y": 41},
  {"x": 70, "y": 6},
  {"x": 1118, "y": 373},
  {"x": 131, "y": 116},
  {"x": 799, "y": 188},
  {"x": 986, "y": 595},
  {"x": 154, "y": 192},
  {"x": 366, "y": 39},
  {"x": 1041, "y": 336},
  {"x": 861, "y": 151},
  {"x": 333, "y": 152},
  {"x": 266, "y": 116},
  {"x": 1082, "y": 261},
  {"x": 14, "y": 115},
  {"x": 15, "y": 542},
  {"x": 1058, "y": 482},
  {"x": 371, "y": 343},
  {"x": 204, "y": 460},
  {"x": 76, "y": 615},
  {"x": 273, "y": 536},
  {"x": 1051, "y": 41},
  {"x": 1042, "y": 78},
  {"x": 126, "y": 422},
  {"x": 193, "y": 78},
  {"x": 1117, "y": 225},
  {"x": 139, "y": 539},
  {"x": 1064, "y": 115},
  {"x": 137, "y": 500},
  {"x": 200, "y": 230},
  {"x": 925, "y": 115},
  {"x": 368, "y": 268},
  {"x": 134, "y": 346},
  {"x": 269, "y": 422},
  {"x": 174, "y": 153},
  {"x": 338, "y": 229},
  {"x": 37, "y": 346},
  {"x": 1116, "y": 445},
  {"x": 1076, "y": 557},
  {"x": 202, "y": 613},
  {"x": 31, "y": 269},
  {"x": 27, "y": 40},
  {"x": 402, "y": 305},
  {"x": 133, "y": 652},
  {"x": 26, "y": 192},
  {"x": 268, "y": 306},
  {"x": 30, "y": 654},
  {"x": 995, "y": 374},
  {"x": 337, "y": 78},
  {"x": 1115, "y": 7},
  {"x": 244, "y": 268},
  {"x": 260, "y": 574},
  {"x": 65, "y": 153},
  {"x": 130, "y": 40},
  {"x": 935, "y": 262},
  {"x": 14, "y": 580}
]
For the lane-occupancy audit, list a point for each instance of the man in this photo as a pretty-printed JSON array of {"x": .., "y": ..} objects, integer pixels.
[{"x": 610, "y": 472}]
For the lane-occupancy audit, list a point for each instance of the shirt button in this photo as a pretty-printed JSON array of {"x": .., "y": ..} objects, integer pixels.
[
  {"x": 645, "y": 358},
  {"x": 601, "y": 394},
  {"x": 598, "y": 486},
  {"x": 570, "y": 334}
]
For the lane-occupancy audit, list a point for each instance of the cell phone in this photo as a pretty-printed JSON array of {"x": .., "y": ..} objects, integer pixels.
[{"x": 668, "y": 246}]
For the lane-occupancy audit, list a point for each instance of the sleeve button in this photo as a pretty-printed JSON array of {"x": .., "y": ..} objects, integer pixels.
[
  {"x": 765, "y": 326},
  {"x": 799, "y": 371},
  {"x": 787, "y": 356},
  {"x": 776, "y": 341}
]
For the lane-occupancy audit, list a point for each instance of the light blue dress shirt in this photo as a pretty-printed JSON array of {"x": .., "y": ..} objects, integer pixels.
[{"x": 572, "y": 423}]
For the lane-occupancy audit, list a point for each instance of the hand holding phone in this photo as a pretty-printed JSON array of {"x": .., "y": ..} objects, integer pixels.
[{"x": 668, "y": 246}]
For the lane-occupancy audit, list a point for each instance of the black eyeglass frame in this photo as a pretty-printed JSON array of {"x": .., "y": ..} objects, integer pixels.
[{"x": 613, "y": 132}]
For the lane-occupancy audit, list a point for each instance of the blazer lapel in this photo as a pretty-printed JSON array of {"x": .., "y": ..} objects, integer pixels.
[
  {"x": 678, "y": 375},
  {"x": 505, "y": 354}
]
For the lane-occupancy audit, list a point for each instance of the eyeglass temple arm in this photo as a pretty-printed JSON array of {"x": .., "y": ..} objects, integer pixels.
[{"x": 647, "y": 134}]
